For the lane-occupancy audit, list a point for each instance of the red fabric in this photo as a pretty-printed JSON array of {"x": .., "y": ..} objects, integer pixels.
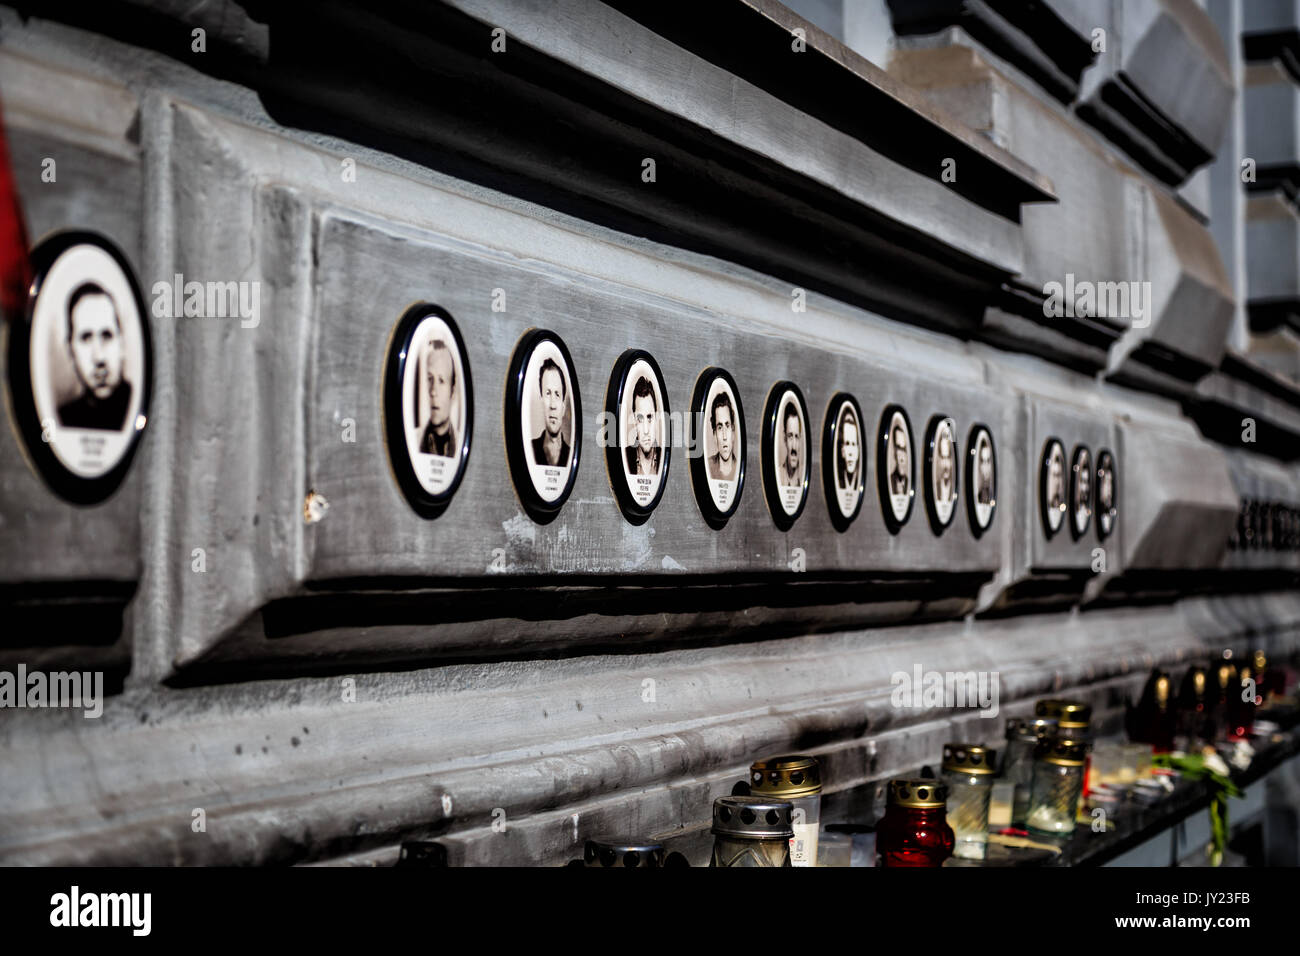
[{"x": 15, "y": 271}]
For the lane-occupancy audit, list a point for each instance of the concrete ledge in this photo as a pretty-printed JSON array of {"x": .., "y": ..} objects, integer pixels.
[{"x": 288, "y": 771}]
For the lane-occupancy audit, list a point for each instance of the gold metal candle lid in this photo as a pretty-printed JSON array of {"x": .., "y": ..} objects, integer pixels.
[
  {"x": 785, "y": 777},
  {"x": 1030, "y": 728},
  {"x": 969, "y": 758},
  {"x": 1070, "y": 713},
  {"x": 753, "y": 818},
  {"x": 918, "y": 793},
  {"x": 1062, "y": 751}
]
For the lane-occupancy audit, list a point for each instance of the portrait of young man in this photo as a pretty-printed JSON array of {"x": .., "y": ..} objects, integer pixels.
[
  {"x": 722, "y": 422},
  {"x": 945, "y": 490},
  {"x": 1105, "y": 492},
  {"x": 900, "y": 475},
  {"x": 1083, "y": 490},
  {"x": 791, "y": 471},
  {"x": 439, "y": 368},
  {"x": 94, "y": 340},
  {"x": 550, "y": 447},
  {"x": 984, "y": 472},
  {"x": 643, "y": 455},
  {"x": 848, "y": 453}
]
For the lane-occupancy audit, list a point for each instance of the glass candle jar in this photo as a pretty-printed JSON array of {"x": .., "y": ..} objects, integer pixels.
[
  {"x": 1153, "y": 719},
  {"x": 968, "y": 770},
  {"x": 1228, "y": 691},
  {"x": 1195, "y": 710},
  {"x": 1018, "y": 760},
  {"x": 797, "y": 779},
  {"x": 1073, "y": 719},
  {"x": 834, "y": 849},
  {"x": 1057, "y": 785},
  {"x": 1241, "y": 705},
  {"x": 914, "y": 830},
  {"x": 751, "y": 831}
]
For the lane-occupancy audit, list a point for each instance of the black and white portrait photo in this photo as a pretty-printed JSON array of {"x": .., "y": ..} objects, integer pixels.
[
  {"x": 639, "y": 444},
  {"x": 1053, "y": 488},
  {"x": 94, "y": 342},
  {"x": 548, "y": 418},
  {"x": 1106, "y": 509},
  {"x": 716, "y": 448},
  {"x": 981, "y": 479},
  {"x": 843, "y": 446},
  {"x": 789, "y": 451},
  {"x": 896, "y": 466},
  {"x": 88, "y": 351},
  {"x": 785, "y": 453},
  {"x": 428, "y": 406},
  {"x": 1080, "y": 490},
  {"x": 543, "y": 422},
  {"x": 645, "y": 446},
  {"x": 435, "y": 403},
  {"x": 941, "y": 470},
  {"x": 722, "y": 443}
]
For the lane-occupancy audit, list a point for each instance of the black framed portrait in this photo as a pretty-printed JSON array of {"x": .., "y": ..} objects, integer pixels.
[
  {"x": 638, "y": 443},
  {"x": 941, "y": 475},
  {"x": 844, "y": 460},
  {"x": 428, "y": 407},
  {"x": 543, "y": 420},
  {"x": 1051, "y": 486},
  {"x": 786, "y": 465},
  {"x": 1081, "y": 491},
  {"x": 717, "y": 446},
  {"x": 896, "y": 467},
  {"x": 1107, "y": 494},
  {"x": 981, "y": 479},
  {"x": 81, "y": 366}
]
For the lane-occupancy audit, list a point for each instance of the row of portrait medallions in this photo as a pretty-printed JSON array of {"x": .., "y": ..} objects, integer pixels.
[
  {"x": 428, "y": 410},
  {"x": 81, "y": 374},
  {"x": 428, "y": 403}
]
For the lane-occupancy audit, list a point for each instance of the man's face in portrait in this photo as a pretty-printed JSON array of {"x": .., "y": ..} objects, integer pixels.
[
  {"x": 723, "y": 431},
  {"x": 552, "y": 385},
  {"x": 1106, "y": 491},
  {"x": 643, "y": 406},
  {"x": 1054, "y": 480},
  {"x": 440, "y": 371},
  {"x": 1085, "y": 475},
  {"x": 901, "y": 466},
  {"x": 96, "y": 344},
  {"x": 792, "y": 444},
  {"x": 945, "y": 460},
  {"x": 986, "y": 466},
  {"x": 849, "y": 446}
]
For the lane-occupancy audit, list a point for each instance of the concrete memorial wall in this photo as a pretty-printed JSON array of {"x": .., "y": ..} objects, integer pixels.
[{"x": 328, "y": 661}]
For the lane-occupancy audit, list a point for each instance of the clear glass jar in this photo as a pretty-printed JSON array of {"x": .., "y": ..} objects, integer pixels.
[
  {"x": 751, "y": 832},
  {"x": 969, "y": 770},
  {"x": 1018, "y": 760},
  {"x": 796, "y": 778},
  {"x": 1073, "y": 719},
  {"x": 1057, "y": 786},
  {"x": 807, "y": 824}
]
